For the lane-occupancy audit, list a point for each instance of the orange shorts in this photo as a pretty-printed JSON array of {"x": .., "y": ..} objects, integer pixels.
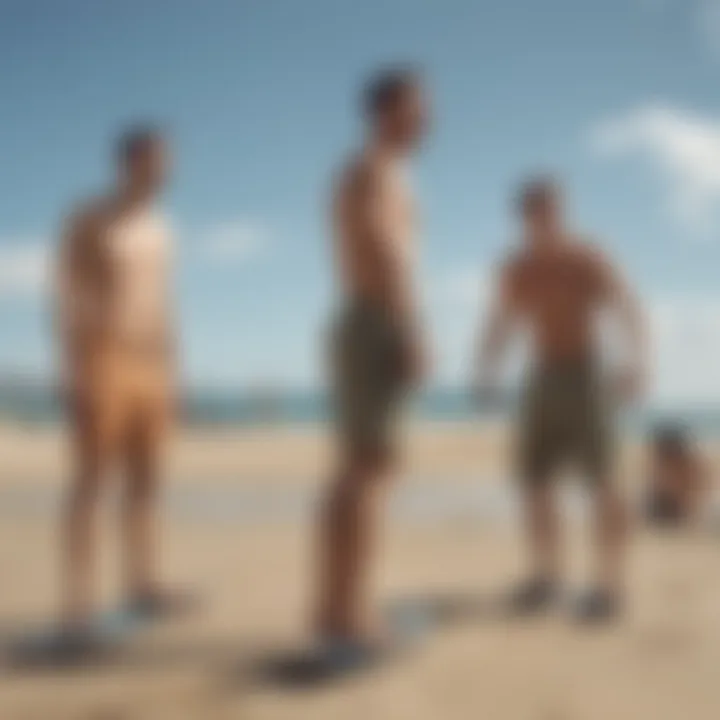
[{"x": 117, "y": 396}]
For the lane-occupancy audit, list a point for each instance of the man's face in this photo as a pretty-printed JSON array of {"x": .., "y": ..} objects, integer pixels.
[
  {"x": 148, "y": 168},
  {"x": 405, "y": 122}
]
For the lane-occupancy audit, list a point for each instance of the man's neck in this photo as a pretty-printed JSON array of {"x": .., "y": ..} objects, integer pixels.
[
  {"x": 127, "y": 199},
  {"x": 384, "y": 151},
  {"x": 548, "y": 244}
]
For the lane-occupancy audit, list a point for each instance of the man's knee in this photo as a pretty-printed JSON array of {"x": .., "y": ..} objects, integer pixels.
[
  {"x": 367, "y": 465},
  {"x": 141, "y": 473},
  {"x": 610, "y": 506},
  {"x": 85, "y": 490},
  {"x": 537, "y": 490},
  {"x": 141, "y": 488},
  {"x": 95, "y": 446},
  {"x": 142, "y": 459},
  {"x": 360, "y": 474}
]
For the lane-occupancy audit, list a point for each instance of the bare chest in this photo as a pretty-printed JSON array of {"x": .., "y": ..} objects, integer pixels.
[{"x": 136, "y": 249}]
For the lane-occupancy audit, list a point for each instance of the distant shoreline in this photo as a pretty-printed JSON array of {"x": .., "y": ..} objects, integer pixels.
[{"x": 34, "y": 404}]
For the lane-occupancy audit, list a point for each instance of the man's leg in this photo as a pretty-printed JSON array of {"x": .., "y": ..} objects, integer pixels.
[
  {"x": 541, "y": 448},
  {"x": 94, "y": 430},
  {"x": 543, "y": 530},
  {"x": 143, "y": 455},
  {"x": 598, "y": 455},
  {"x": 348, "y": 533},
  {"x": 611, "y": 531}
]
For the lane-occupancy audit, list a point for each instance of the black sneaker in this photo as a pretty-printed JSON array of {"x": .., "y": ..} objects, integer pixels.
[
  {"x": 598, "y": 606},
  {"x": 534, "y": 596}
]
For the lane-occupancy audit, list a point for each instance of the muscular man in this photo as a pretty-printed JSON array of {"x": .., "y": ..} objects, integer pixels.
[
  {"x": 557, "y": 285},
  {"x": 117, "y": 348},
  {"x": 377, "y": 346}
]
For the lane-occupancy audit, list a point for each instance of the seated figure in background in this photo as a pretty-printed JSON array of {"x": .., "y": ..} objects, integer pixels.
[{"x": 677, "y": 478}]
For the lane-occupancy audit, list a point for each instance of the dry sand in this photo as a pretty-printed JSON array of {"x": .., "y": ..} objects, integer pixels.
[
  {"x": 297, "y": 455},
  {"x": 659, "y": 663}
]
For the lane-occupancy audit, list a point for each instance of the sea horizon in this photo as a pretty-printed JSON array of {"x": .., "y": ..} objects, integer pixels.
[{"x": 39, "y": 403}]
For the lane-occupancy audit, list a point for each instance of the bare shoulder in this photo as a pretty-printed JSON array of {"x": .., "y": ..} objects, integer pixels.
[
  {"x": 589, "y": 252},
  {"x": 362, "y": 174},
  {"x": 88, "y": 216},
  {"x": 596, "y": 265},
  {"x": 514, "y": 264},
  {"x": 512, "y": 271}
]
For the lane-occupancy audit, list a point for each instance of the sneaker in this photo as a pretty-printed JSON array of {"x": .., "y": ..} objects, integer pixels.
[
  {"x": 534, "y": 596},
  {"x": 598, "y": 606}
]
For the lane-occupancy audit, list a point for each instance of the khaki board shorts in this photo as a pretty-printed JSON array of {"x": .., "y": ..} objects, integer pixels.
[
  {"x": 367, "y": 375},
  {"x": 566, "y": 418}
]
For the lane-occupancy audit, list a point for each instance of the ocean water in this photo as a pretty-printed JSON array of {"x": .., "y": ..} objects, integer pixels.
[{"x": 210, "y": 408}]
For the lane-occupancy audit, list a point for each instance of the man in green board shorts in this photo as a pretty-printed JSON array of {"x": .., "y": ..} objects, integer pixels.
[
  {"x": 369, "y": 382},
  {"x": 557, "y": 285},
  {"x": 378, "y": 352}
]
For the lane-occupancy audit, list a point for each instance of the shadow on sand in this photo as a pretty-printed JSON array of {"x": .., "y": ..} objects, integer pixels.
[
  {"x": 244, "y": 662},
  {"x": 412, "y": 620}
]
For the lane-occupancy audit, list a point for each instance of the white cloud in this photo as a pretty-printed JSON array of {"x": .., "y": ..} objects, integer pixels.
[
  {"x": 24, "y": 268},
  {"x": 237, "y": 241},
  {"x": 685, "y": 149}
]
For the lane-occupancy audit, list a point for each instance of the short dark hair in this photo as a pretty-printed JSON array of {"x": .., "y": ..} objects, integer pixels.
[
  {"x": 386, "y": 87},
  {"x": 536, "y": 192},
  {"x": 136, "y": 139}
]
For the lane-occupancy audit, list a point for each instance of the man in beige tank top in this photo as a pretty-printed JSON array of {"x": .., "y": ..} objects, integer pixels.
[
  {"x": 557, "y": 286},
  {"x": 378, "y": 346},
  {"x": 116, "y": 338}
]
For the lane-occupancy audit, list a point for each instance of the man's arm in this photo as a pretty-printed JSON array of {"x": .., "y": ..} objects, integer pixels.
[
  {"x": 76, "y": 299},
  {"x": 700, "y": 485},
  {"x": 624, "y": 303}
]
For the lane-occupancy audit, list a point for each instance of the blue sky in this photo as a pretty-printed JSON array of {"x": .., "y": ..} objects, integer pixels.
[{"x": 619, "y": 97}]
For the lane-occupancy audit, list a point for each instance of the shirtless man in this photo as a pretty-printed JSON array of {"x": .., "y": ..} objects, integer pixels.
[
  {"x": 556, "y": 285},
  {"x": 117, "y": 351},
  {"x": 378, "y": 350}
]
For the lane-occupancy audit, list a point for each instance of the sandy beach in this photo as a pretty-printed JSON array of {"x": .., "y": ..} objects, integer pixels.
[
  {"x": 660, "y": 662},
  {"x": 283, "y": 455}
]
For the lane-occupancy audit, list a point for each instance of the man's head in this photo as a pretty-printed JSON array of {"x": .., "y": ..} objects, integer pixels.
[
  {"x": 143, "y": 160},
  {"x": 540, "y": 204},
  {"x": 396, "y": 108}
]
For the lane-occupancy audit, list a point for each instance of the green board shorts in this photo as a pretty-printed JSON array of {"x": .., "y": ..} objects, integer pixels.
[
  {"x": 368, "y": 384},
  {"x": 566, "y": 417}
]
